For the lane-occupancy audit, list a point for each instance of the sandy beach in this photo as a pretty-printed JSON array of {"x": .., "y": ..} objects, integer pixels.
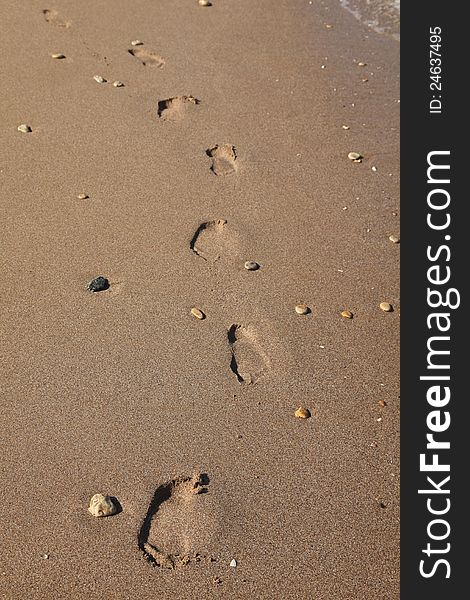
[{"x": 228, "y": 142}]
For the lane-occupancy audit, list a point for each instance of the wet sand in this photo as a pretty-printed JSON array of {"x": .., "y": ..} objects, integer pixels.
[{"x": 124, "y": 391}]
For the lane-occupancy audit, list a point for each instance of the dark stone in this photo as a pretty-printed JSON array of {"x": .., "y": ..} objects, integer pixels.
[{"x": 99, "y": 284}]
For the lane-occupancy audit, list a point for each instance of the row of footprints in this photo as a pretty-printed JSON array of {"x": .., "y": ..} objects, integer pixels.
[
  {"x": 224, "y": 156},
  {"x": 175, "y": 529}
]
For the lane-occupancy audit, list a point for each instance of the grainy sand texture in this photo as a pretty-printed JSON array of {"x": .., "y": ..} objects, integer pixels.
[{"x": 195, "y": 158}]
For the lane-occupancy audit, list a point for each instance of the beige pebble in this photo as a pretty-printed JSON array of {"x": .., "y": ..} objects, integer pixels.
[
  {"x": 395, "y": 239},
  {"x": 58, "y": 55},
  {"x": 346, "y": 127},
  {"x": 355, "y": 157},
  {"x": 137, "y": 43},
  {"x": 382, "y": 403},
  {"x": 303, "y": 413},
  {"x": 302, "y": 309},
  {"x": 347, "y": 314},
  {"x": 328, "y": 26},
  {"x": 24, "y": 128},
  {"x": 118, "y": 84},
  {"x": 102, "y": 506},
  {"x": 251, "y": 265},
  {"x": 204, "y": 3},
  {"x": 99, "y": 78},
  {"x": 361, "y": 64},
  {"x": 386, "y": 307},
  {"x": 198, "y": 314},
  {"x": 83, "y": 196}
]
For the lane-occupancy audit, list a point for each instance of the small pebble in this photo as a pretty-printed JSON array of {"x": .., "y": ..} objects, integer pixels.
[
  {"x": 204, "y": 3},
  {"x": 355, "y": 157},
  {"x": 346, "y": 127},
  {"x": 118, "y": 84},
  {"x": 45, "y": 556},
  {"x": 251, "y": 265},
  {"x": 216, "y": 580},
  {"x": 233, "y": 563},
  {"x": 102, "y": 506},
  {"x": 83, "y": 196},
  {"x": 303, "y": 413},
  {"x": 361, "y": 64},
  {"x": 374, "y": 169},
  {"x": 99, "y": 284},
  {"x": 327, "y": 26},
  {"x": 99, "y": 79},
  {"x": 24, "y": 128},
  {"x": 347, "y": 314},
  {"x": 302, "y": 309},
  {"x": 386, "y": 307},
  {"x": 382, "y": 403},
  {"x": 198, "y": 314},
  {"x": 58, "y": 55},
  {"x": 395, "y": 239},
  {"x": 137, "y": 43}
]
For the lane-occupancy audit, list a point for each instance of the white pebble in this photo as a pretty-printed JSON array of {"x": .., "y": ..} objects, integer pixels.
[
  {"x": 24, "y": 128},
  {"x": 137, "y": 43},
  {"x": 102, "y": 506},
  {"x": 302, "y": 309},
  {"x": 118, "y": 84},
  {"x": 196, "y": 312},
  {"x": 233, "y": 563},
  {"x": 99, "y": 79},
  {"x": 355, "y": 157}
]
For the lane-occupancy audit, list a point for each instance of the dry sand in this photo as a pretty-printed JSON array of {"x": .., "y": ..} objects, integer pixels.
[{"x": 123, "y": 391}]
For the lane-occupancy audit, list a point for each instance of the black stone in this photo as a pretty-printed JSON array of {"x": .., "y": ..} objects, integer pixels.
[{"x": 99, "y": 284}]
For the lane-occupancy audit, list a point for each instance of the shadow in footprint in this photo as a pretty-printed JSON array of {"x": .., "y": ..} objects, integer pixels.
[
  {"x": 249, "y": 361},
  {"x": 223, "y": 159},
  {"x": 174, "y": 109},
  {"x": 148, "y": 59},
  {"x": 178, "y": 490}
]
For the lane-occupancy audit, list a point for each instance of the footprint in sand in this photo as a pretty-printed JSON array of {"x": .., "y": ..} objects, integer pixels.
[
  {"x": 249, "y": 361},
  {"x": 214, "y": 239},
  {"x": 175, "y": 108},
  {"x": 223, "y": 159},
  {"x": 147, "y": 58},
  {"x": 52, "y": 17},
  {"x": 175, "y": 528}
]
